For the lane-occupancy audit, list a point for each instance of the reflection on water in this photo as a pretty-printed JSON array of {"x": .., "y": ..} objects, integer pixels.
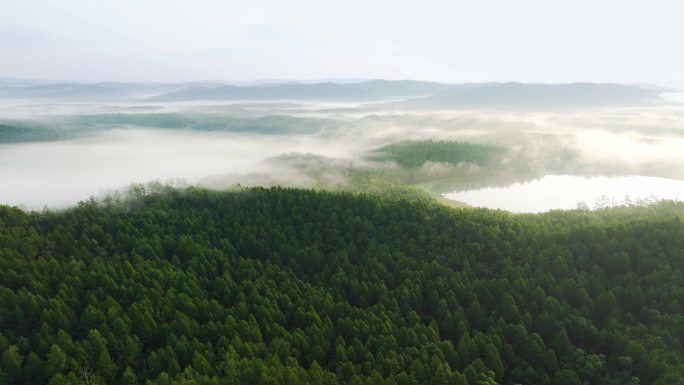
[{"x": 566, "y": 192}]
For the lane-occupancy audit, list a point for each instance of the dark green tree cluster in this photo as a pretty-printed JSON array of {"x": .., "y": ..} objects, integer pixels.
[
  {"x": 283, "y": 286},
  {"x": 271, "y": 124},
  {"x": 414, "y": 153},
  {"x": 81, "y": 125},
  {"x": 17, "y": 132}
]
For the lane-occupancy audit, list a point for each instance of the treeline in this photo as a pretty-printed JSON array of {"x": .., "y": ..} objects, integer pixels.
[
  {"x": 18, "y": 132},
  {"x": 414, "y": 153},
  {"x": 271, "y": 124},
  {"x": 284, "y": 286},
  {"x": 80, "y": 125}
]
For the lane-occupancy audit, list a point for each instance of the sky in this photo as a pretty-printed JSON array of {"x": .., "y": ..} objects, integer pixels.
[{"x": 455, "y": 41}]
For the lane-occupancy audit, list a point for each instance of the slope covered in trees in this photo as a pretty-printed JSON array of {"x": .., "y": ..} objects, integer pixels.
[
  {"x": 414, "y": 153},
  {"x": 82, "y": 125},
  {"x": 271, "y": 124},
  {"x": 17, "y": 132},
  {"x": 281, "y": 286}
]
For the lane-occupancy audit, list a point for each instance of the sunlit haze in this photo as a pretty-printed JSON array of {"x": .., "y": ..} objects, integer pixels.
[
  {"x": 348, "y": 192},
  {"x": 453, "y": 41}
]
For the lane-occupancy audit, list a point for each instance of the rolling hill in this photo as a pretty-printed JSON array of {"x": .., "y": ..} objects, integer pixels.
[{"x": 528, "y": 95}]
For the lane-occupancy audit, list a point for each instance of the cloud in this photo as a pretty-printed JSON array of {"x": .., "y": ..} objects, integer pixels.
[
  {"x": 19, "y": 38},
  {"x": 456, "y": 41}
]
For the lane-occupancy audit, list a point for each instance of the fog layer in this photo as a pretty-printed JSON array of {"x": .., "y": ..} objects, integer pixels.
[
  {"x": 316, "y": 144},
  {"x": 63, "y": 172}
]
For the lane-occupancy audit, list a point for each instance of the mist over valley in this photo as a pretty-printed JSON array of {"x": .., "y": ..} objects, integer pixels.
[
  {"x": 57, "y": 150},
  {"x": 341, "y": 193}
]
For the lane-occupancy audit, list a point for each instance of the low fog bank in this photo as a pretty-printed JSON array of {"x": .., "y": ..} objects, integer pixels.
[
  {"x": 610, "y": 141},
  {"x": 310, "y": 145},
  {"x": 61, "y": 173},
  {"x": 292, "y": 169}
]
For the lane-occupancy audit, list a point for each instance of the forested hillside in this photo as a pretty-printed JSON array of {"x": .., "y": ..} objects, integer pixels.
[
  {"x": 273, "y": 124},
  {"x": 415, "y": 153},
  {"x": 17, "y": 132},
  {"x": 281, "y": 286}
]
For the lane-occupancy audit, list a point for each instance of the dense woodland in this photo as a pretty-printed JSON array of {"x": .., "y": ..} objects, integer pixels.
[
  {"x": 17, "y": 132},
  {"x": 282, "y": 286},
  {"x": 71, "y": 127},
  {"x": 414, "y": 153},
  {"x": 271, "y": 124}
]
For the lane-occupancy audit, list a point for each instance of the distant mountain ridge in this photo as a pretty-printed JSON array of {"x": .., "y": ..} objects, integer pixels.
[
  {"x": 434, "y": 95},
  {"x": 296, "y": 91},
  {"x": 416, "y": 94},
  {"x": 400, "y": 88},
  {"x": 365, "y": 90},
  {"x": 521, "y": 95},
  {"x": 70, "y": 91}
]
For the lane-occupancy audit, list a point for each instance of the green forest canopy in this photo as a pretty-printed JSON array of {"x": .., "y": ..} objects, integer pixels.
[
  {"x": 17, "y": 132},
  {"x": 414, "y": 153},
  {"x": 80, "y": 125},
  {"x": 271, "y": 124},
  {"x": 286, "y": 286}
]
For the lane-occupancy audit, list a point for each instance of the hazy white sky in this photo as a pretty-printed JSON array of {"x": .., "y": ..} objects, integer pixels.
[{"x": 174, "y": 40}]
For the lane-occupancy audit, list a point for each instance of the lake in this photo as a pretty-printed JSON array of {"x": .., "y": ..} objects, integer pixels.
[{"x": 566, "y": 191}]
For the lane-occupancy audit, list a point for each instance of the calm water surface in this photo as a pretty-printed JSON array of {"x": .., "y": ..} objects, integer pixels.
[{"x": 566, "y": 191}]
